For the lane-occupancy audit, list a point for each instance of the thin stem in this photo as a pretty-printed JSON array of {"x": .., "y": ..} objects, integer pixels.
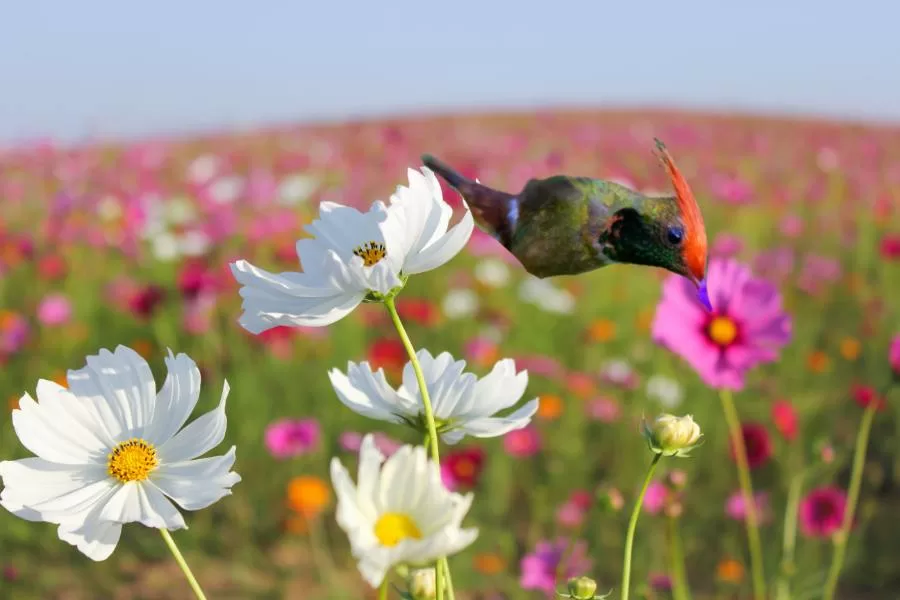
[
  {"x": 680, "y": 588},
  {"x": 192, "y": 581},
  {"x": 841, "y": 538},
  {"x": 743, "y": 469},
  {"x": 429, "y": 420},
  {"x": 789, "y": 541},
  {"x": 445, "y": 564},
  {"x": 632, "y": 525},
  {"x": 383, "y": 589}
]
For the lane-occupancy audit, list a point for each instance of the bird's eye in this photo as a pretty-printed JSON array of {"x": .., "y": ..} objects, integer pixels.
[{"x": 675, "y": 235}]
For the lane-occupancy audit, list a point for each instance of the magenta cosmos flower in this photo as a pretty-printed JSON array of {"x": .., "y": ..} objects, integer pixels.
[
  {"x": 822, "y": 512},
  {"x": 747, "y": 325},
  {"x": 288, "y": 438},
  {"x": 894, "y": 356},
  {"x": 539, "y": 568}
]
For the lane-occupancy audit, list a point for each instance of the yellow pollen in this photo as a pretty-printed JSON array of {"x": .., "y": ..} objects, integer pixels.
[
  {"x": 133, "y": 460},
  {"x": 370, "y": 252},
  {"x": 393, "y": 528},
  {"x": 722, "y": 331}
]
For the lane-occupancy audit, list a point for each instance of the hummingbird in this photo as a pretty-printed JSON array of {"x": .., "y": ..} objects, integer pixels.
[{"x": 565, "y": 225}]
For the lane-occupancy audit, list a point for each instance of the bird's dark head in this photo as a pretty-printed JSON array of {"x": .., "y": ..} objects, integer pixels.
[{"x": 665, "y": 232}]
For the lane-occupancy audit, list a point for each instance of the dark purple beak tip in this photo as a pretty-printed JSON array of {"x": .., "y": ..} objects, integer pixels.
[{"x": 703, "y": 295}]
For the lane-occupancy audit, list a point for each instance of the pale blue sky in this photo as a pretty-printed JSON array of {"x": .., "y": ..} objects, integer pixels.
[{"x": 97, "y": 67}]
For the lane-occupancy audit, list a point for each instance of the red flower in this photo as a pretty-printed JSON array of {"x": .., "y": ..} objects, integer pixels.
[
  {"x": 52, "y": 267},
  {"x": 417, "y": 310},
  {"x": 890, "y": 246},
  {"x": 388, "y": 354},
  {"x": 785, "y": 419},
  {"x": 864, "y": 395},
  {"x": 462, "y": 468},
  {"x": 144, "y": 301},
  {"x": 822, "y": 512},
  {"x": 194, "y": 278},
  {"x": 758, "y": 444}
]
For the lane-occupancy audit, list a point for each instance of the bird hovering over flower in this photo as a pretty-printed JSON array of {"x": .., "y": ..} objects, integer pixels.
[{"x": 565, "y": 225}]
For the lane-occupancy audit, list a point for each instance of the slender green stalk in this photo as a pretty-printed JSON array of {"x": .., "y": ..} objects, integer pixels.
[
  {"x": 632, "y": 525},
  {"x": 445, "y": 564},
  {"x": 680, "y": 588},
  {"x": 429, "y": 420},
  {"x": 789, "y": 541},
  {"x": 383, "y": 589},
  {"x": 841, "y": 538},
  {"x": 192, "y": 581},
  {"x": 743, "y": 469}
]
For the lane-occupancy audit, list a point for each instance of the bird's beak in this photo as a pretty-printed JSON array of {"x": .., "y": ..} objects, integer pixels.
[{"x": 702, "y": 292}]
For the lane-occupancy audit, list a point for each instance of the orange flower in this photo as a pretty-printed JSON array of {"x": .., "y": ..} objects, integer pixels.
[
  {"x": 602, "y": 330},
  {"x": 581, "y": 384},
  {"x": 818, "y": 362},
  {"x": 730, "y": 571},
  {"x": 550, "y": 407},
  {"x": 308, "y": 496},
  {"x": 488, "y": 563},
  {"x": 296, "y": 524},
  {"x": 144, "y": 348},
  {"x": 850, "y": 348}
]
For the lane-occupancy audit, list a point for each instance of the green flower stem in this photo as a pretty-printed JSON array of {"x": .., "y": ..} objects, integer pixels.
[
  {"x": 743, "y": 469},
  {"x": 383, "y": 589},
  {"x": 192, "y": 581},
  {"x": 680, "y": 588},
  {"x": 842, "y": 536},
  {"x": 429, "y": 420},
  {"x": 789, "y": 541},
  {"x": 632, "y": 525},
  {"x": 445, "y": 564}
]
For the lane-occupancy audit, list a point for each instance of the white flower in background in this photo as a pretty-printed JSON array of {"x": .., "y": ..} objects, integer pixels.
[
  {"x": 167, "y": 226},
  {"x": 462, "y": 403},
  {"x": 296, "y": 188},
  {"x": 203, "y": 168},
  {"x": 225, "y": 190},
  {"x": 400, "y": 513},
  {"x": 353, "y": 255},
  {"x": 665, "y": 390},
  {"x": 194, "y": 243},
  {"x": 110, "y": 450},
  {"x": 492, "y": 272},
  {"x": 459, "y": 302},
  {"x": 546, "y": 296},
  {"x": 617, "y": 371}
]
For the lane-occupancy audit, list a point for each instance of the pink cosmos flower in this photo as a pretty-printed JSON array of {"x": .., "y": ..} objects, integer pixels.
[
  {"x": 784, "y": 416},
  {"x": 351, "y": 441},
  {"x": 288, "y": 438},
  {"x": 736, "y": 509},
  {"x": 655, "y": 498},
  {"x": 54, "y": 309},
  {"x": 822, "y": 511},
  {"x": 539, "y": 568},
  {"x": 894, "y": 356},
  {"x": 462, "y": 468},
  {"x": 603, "y": 409},
  {"x": 726, "y": 245},
  {"x": 13, "y": 332},
  {"x": 746, "y": 327},
  {"x": 522, "y": 443}
]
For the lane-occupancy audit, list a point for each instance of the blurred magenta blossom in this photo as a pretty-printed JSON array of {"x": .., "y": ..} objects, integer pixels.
[
  {"x": 736, "y": 508},
  {"x": 539, "y": 567},
  {"x": 54, "y": 309},
  {"x": 522, "y": 443},
  {"x": 289, "y": 438},
  {"x": 822, "y": 511}
]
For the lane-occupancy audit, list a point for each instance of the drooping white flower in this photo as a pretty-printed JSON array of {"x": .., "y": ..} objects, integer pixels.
[
  {"x": 399, "y": 512},
  {"x": 353, "y": 255},
  {"x": 462, "y": 403},
  {"x": 111, "y": 450}
]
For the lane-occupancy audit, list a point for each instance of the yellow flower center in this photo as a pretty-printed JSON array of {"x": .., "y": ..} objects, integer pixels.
[
  {"x": 133, "y": 460},
  {"x": 722, "y": 331},
  {"x": 371, "y": 253},
  {"x": 393, "y": 528}
]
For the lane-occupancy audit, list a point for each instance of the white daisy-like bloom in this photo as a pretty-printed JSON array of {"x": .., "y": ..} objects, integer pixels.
[
  {"x": 352, "y": 255},
  {"x": 399, "y": 511},
  {"x": 462, "y": 403},
  {"x": 664, "y": 390},
  {"x": 111, "y": 450}
]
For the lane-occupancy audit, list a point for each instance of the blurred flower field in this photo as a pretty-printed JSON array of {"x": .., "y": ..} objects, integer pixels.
[{"x": 107, "y": 245}]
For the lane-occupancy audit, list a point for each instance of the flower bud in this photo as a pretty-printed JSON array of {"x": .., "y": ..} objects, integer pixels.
[
  {"x": 582, "y": 588},
  {"x": 422, "y": 585},
  {"x": 672, "y": 436}
]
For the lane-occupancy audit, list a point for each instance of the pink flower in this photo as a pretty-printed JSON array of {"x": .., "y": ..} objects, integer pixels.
[
  {"x": 545, "y": 366},
  {"x": 539, "y": 568},
  {"x": 785, "y": 419},
  {"x": 726, "y": 245},
  {"x": 655, "y": 498},
  {"x": 894, "y": 356},
  {"x": 603, "y": 409},
  {"x": 736, "y": 509},
  {"x": 791, "y": 226},
  {"x": 462, "y": 468},
  {"x": 522, "y": 443},
  {"x": 732, "y": 189},
  {"x": 54, "y": 309},
  {"x": 573, "y": 511},
  {"x": 822, "y": 512},
  {"x": 746, "y": 327},
  {"x": 351, "y": 441},
  {"x": 288, "y": 438},
  {"x": 757, "y": 443},
  {"x": 13, "y": 332}
]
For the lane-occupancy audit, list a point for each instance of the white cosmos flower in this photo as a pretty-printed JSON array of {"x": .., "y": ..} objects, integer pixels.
[
  {"x": 664, "y": 390},
  {"x": 110, "y": 449},
  {"x": 400, "y": 513},
  {"x": 462, "y": 403},
  {"x": 353, "y": 254}
]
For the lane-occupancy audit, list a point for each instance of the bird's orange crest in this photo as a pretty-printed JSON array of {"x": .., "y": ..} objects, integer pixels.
[{"x": 694, "y": 250}]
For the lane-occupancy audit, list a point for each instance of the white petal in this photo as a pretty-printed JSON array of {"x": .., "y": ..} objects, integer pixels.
[
  {"x": 442, "y": 250},
  {"x": 368, "y": 475},
  {"x": 198, "y": 483},
  {"x": 366, "y": 393},
  {"x": 176, "y": 400},
  {"x": 55, "y": 492},
  {"x": 94, "y": 538},
  {"x": 403, "y": 479},
  {"x": 54, "y": 431},
  {"x": 372, "y": 571},
  {"x": 143, "y": 503},
  {"x": 355, "y": 517},
  {"x": 494, "y": 426},
  {"x": 202, "y": 435},
  {"x": 499, "y": 389}
]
